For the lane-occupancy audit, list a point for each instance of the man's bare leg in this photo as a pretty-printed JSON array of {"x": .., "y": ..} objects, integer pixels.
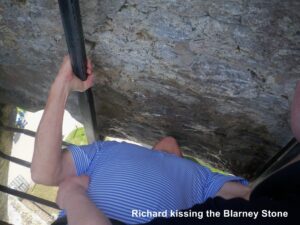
[{"x": 168, "y": 144}]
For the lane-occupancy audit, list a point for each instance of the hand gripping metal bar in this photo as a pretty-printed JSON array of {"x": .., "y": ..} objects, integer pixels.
[{"x": 71, "y": 20}]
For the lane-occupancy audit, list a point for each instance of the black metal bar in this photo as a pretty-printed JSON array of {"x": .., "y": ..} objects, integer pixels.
[
  {"x": 276, "y": 157},
  {"x": 28, "y": 196},
  {"x": 42, "y": 209},
  {"x": 4, "y": 223},
  {"x": 26, "y": 132},
  {"x": 18, "y": 130},
  {"x": 15, "y": 160},
  {"x": 70, "y": 14},
  {"x": 71, "y": 20}
]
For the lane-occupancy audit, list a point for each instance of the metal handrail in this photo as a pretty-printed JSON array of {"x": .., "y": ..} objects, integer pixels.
[{"x": 71, "y": 20}]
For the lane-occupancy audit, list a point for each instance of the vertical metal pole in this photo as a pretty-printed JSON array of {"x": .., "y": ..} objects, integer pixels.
[{"x": 71, "y": 20}]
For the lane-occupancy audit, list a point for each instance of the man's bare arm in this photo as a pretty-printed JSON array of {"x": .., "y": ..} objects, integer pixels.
[
  {"x": 49, "y": 164},
  {"x": 81, "y": 210}
]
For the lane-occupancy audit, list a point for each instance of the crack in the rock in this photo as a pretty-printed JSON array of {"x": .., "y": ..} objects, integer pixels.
[
  {"x": 91, "y": 44},
  {"x": 123, "y": 6}
]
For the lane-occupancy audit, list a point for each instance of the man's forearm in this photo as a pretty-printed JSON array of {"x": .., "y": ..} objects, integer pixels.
[
  {"x": 81, "y": 210},
  {"x": 49, "y": 165},
  {"x": 46, "y": 163}
]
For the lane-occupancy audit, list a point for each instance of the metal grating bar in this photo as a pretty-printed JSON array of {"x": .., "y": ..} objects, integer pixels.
[
  {"x": 15, "y": 160},
  {"x": 26, "y": 132},
  {"x": 28, "y": 197}
]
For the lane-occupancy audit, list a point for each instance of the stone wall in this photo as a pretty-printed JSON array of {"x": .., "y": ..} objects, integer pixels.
[{"x": 217, "y": 75}]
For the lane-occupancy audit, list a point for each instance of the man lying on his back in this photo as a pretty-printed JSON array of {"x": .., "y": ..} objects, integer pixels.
[{"x": 123, "y": 178}]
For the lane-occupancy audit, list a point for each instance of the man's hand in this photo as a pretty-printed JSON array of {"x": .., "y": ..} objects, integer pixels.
[{"x": 66, "y": 75}]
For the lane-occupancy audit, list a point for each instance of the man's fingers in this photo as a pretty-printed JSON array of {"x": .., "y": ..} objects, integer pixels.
[
  {"x": 84, "y": 85},
  {"x": 88, "y": 82},
  {"x": 89, "y": 71},
  {"x": 89, "y": 66},
  {"x": 75, "y": 83}
]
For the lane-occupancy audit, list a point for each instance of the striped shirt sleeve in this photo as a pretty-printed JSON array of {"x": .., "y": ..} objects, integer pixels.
[
  {"x": 83, "y": 156},
  {"x": 216, "y": 181}
]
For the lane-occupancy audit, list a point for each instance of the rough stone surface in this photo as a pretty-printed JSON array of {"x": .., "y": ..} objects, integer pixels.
[{"x": 217, "y": 75}]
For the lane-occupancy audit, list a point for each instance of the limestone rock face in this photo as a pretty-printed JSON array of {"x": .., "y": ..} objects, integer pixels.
[{"x": 217, "y": 75}]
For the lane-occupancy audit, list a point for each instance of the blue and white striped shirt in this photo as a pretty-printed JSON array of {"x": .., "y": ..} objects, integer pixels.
[{"x": 126, "y": 177}]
